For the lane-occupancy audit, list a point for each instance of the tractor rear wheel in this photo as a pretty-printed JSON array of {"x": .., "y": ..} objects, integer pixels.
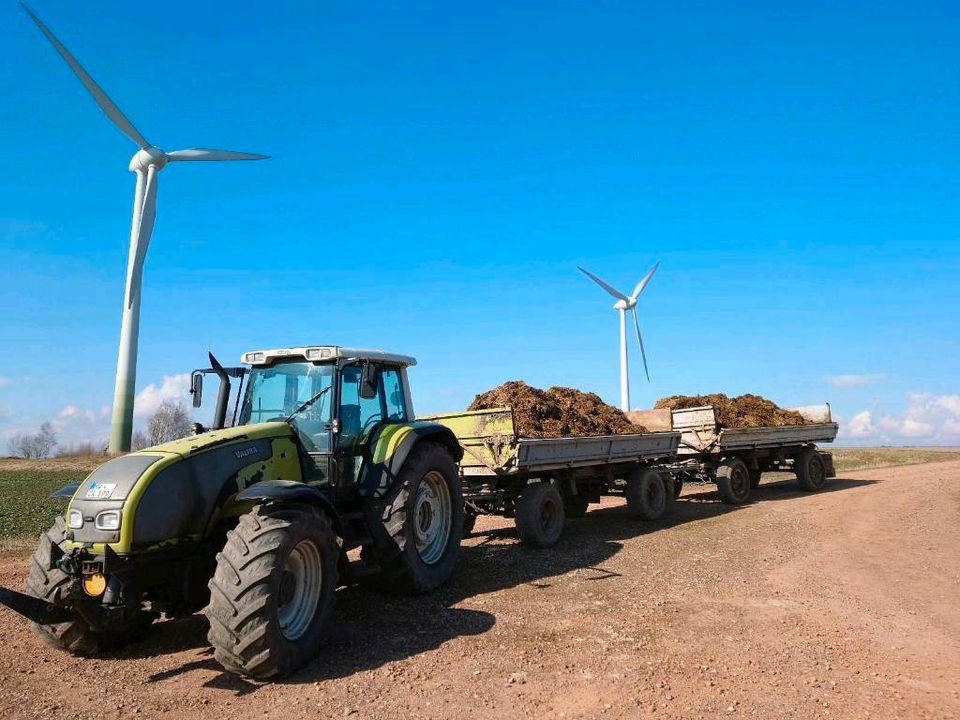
[
  {"x": 647, "y": 494},
  {"x": 273, "y": 590},
  {"x": 423, "y": 521},
  {"x": 539, "y": 516},
  {"x": 733, "y": 481},
  {"x": 74, "y": 636}
]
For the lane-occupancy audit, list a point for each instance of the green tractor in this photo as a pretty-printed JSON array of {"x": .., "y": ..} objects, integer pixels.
[{"x": 253, "y": 523}]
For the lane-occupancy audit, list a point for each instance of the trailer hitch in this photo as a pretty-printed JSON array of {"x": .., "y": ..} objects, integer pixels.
[{"x": 34, "y": 608}]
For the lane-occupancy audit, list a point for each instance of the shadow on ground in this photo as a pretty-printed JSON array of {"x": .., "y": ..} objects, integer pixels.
[{"x": 372, "y": 629}]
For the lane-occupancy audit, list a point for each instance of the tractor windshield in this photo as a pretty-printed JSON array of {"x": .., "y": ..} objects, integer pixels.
[{"x": 292, "y": 390}]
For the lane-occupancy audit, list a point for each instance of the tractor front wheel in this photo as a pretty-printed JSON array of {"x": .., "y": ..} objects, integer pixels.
[
  {"x": 74, "y": 636},
  {"x": 273, "y": 590}
]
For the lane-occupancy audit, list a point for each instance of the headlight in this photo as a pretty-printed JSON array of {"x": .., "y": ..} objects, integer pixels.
[
  {"x": 75, "y": 520},
  {"x": 108, "y": 520}
]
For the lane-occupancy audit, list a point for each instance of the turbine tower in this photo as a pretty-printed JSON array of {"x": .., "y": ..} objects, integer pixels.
[
  {"x": 145, "y": 164},
  {"x": 624, "y": 305}
]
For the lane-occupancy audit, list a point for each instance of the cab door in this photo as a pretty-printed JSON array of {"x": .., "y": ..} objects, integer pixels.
[{"x": 362, "y": 408}]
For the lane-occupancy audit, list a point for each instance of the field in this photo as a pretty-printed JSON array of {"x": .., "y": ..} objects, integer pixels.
[
  {"x": 25, "y": 485},
  {"x": 839, "y": 604}
]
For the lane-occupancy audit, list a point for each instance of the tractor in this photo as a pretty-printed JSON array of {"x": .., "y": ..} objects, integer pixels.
[{"x": 252, "y": 523}]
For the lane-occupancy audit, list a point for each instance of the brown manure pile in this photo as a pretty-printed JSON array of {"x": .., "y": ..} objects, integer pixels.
[
  {"x": 557, "y": 412},
  {"x": 741, "y": 411}
]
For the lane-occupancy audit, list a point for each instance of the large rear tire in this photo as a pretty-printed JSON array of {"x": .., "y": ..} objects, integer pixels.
[
  {"x": 273, "y": 590},
  {"x": 733, "y": 481},
  {"x": 424, "y": 522},
  {"x": 647, "y": 494},
  {"x": 74, "y": 636},
  {"x": 810, "y": 469},
  {"x": 539, "y": 515}
]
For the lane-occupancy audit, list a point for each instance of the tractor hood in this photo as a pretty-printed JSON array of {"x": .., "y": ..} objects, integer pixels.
[{"x": 174, "y": 491}]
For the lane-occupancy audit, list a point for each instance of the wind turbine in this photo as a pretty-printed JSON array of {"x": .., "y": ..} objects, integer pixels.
[
  {"x": 624, "y": 305},
  {"x": 146, "y": 163}
]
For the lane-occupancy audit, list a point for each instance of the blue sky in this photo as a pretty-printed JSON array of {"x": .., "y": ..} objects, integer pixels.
[{"x": 439, "y": 170}]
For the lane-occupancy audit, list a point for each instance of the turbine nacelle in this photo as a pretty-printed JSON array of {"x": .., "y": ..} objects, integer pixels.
[
  {"x": 146, "y": 157},
  {"x": 627, "y": 304}
]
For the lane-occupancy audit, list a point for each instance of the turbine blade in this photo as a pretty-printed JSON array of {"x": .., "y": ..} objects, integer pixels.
[
  {"x": 643, "y": 354},
  {"x": 210, "y": 154},
  {"x": 616, "y": 293},
  {"x": 643, "y": 281},
  {"x": 99, "y": 96},
  {"x": 148, "y": 214}
]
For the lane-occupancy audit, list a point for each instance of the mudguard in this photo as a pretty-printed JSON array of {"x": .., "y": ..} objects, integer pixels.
[
  {"x": 290, "y": 491},
  {"x": 389, "y": 449}
]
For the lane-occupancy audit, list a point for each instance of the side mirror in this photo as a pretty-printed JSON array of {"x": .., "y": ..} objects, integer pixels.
[
  {"x": 369, "y": 381},
  {"x": 196, "y": 388}
]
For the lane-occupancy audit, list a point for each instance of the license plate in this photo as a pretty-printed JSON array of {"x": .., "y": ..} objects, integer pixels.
[{"x": 100, "y": 491}]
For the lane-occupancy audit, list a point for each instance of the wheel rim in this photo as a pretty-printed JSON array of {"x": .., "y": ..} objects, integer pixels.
[
  {"x": 432, "y": 513},
  {"x": 740, "y": 482},
  {"x": 815, "y": 471},
  {"x": 300, "y": 585},
  {"x": 655, "y": 495}
]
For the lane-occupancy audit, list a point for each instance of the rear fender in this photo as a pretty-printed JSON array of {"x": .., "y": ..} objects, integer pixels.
[
  {"x": 391, "y": 446},
  {"x": 281, "y": 491}
]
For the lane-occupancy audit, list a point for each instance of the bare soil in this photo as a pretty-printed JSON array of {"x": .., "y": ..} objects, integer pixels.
[
  {"x": 740, "y": 411},
  {"x": 555, "y": 412},
  {"x": 841, "y": 604}
]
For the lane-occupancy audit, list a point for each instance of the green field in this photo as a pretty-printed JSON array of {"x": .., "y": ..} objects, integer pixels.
[{"x": 25, "y": 485}]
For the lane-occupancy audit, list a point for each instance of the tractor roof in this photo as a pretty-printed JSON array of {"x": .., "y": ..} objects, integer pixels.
[{"x": 318, "y": 353}]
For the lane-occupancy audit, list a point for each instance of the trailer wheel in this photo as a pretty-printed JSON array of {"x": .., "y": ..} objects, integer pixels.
[
  {"x": 733, "y": 481},
  {"x": 810, "y": 469},
  {"x": 646, "y": 494},
  {"x": 539, "y": 515},
  {"x": 469, "y": 522},
  {"x": 423, "y": 521},
  {"x": 677, "y": 487},
  {"x": 575, "y": 506},
  {"x": 755, "y": 476},
  {"x": 273, "y": 590},
  {"x": 74, "y": 636}
]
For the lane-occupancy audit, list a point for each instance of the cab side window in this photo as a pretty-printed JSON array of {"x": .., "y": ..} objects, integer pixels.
[
  {"x": 393, "y": 395},
  {"x": 358, "y": 415}
]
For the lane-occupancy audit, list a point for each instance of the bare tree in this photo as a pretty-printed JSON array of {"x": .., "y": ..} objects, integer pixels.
[
  {"x": 170, "y": 422},
  {"x": 34, "y": 445},
  {"x": 139, "y": 441}
]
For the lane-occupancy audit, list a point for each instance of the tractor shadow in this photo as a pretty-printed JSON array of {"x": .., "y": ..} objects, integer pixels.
[{"x": 373, "y": 629}]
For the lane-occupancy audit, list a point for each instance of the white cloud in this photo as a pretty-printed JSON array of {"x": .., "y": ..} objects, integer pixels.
[
  {"x": 68, "y": 411},
  {"x": 849, "y": 381},
  {"x": 927, "y": 419},
  {"x": 860, "y": 425},
  {"x": 4, "y": 381},
  {"x": 173, "y": 387}
]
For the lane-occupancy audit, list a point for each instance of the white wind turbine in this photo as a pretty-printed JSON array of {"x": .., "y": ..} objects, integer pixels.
[
  {"x": 146, "y": 163},
  {"x": 626, "y": 304}
]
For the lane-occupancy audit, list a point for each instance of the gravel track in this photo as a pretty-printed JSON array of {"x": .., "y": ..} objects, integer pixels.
[{"x": 842, "y": 604}]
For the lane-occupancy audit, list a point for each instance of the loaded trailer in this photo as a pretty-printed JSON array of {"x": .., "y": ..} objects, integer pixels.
[
  {"x": 541, "y": 481},
  {"x": 735, "y": 458}
]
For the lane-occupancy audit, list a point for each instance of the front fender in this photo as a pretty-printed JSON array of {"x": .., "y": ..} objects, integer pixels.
[{"x": 290, "y": 491}]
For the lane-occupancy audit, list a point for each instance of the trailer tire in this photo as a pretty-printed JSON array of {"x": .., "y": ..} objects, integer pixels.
[
  {"x": 273, "y": 590},
  {"x": 423, "y": 522},
  {"x": 733, "y": 481},
  {"x": 575, "y": 506},
  {"x": 74, "y": 636},
  {"x": 539, "y": 515},
  {"x": 677, "y": 487},
  {"x": 646, "y": 494},
  {"x": 755, "y": 476},
  {"x": 810, "y": 469}
]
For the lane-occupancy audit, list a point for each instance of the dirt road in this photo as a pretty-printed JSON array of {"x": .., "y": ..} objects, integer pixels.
[{"x": 843, "y": 604}]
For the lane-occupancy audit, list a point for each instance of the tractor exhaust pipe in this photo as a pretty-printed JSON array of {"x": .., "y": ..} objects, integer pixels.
[{"x": 223, "y": 396}]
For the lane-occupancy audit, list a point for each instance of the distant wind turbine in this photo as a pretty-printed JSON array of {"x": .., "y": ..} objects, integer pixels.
[
  {"x": 626, "y": 304},
  {"x": 146, "y": 163}
]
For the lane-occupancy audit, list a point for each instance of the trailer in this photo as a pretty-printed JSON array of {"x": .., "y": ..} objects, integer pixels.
[
  {"x": 541, "y": 481},
  {"x": 735, "y": 458}
]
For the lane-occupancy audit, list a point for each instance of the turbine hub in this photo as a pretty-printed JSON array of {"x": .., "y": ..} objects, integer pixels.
[
  {"x": 624, "y": 304},
  {"x": 150, "y": 155}
]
